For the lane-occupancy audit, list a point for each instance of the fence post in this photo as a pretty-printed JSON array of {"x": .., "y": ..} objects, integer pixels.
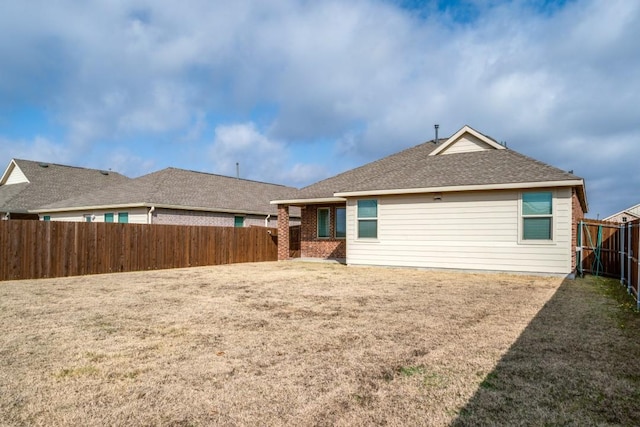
[
  {"x": 579, "y": 248},
  {"x": 622, "y": 253},
  {"x": 629, "y": 230}
]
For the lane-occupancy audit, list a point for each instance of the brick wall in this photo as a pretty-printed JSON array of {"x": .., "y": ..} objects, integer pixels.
[
  {"x": 218, "y": 219},
  {"x": 576, "y": 214},
  {"x": 283, "y": 232},
  {"x": 314, "y": 247}
]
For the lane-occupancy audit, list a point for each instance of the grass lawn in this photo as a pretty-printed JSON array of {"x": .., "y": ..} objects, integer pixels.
[{"x": 317, "y": 344}]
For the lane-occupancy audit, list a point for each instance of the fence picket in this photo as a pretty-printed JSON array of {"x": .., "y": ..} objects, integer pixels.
[
  {"x": 38, "y": 249},
  {"x": 614, "y": 253}
]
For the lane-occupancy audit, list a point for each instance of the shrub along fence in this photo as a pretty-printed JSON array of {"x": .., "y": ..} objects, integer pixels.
[
  {"x": 611, "y": 249},
  {"x": 38, "y": 249}
]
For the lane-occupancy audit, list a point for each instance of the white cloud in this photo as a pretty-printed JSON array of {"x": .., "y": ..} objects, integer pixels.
[
  {"x": 368, "y": 76},
  {"x": 258, "y": 156},
  {"x": 38, "y": 149}
]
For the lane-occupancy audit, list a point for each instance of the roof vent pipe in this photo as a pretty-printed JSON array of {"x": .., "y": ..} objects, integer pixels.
[
  {"x": 436, "y": 127},
  {"x": 237, "y": 170}
]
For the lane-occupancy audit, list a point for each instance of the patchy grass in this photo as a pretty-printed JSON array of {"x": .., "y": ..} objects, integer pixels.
[{"x": 316, "y": 344}]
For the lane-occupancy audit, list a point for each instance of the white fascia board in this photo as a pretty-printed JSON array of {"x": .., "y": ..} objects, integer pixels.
[
  {"x": 309, "y": 201},
  {"x": 149, "y": 205},
  {"x": 89, "y": 208},
  {"x": 457, "y": 135},
  {"x": 511, "y": 186}
]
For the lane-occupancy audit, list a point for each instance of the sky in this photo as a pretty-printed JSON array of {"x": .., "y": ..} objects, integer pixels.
[{"x": 297, "y": 91}]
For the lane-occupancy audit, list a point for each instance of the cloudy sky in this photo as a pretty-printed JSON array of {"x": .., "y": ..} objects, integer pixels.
[{"x": 297, "y": 91}]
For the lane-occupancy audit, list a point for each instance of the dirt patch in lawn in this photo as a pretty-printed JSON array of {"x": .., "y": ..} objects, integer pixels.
[{"x": 314, "y": 344}]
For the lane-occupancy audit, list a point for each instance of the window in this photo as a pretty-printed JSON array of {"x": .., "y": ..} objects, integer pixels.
[
  {"x": 323, "y": 223},
  {"x": 341, "y": 223},
  {"x": 123, "y": 217},
  {"x": 367, "y": 219},
  {"x": 46, "y": 218},
  {"x": 238, "y": 221},
  {"x": 108, "y": 217},
  {"x": 537, "y": 216},
  {"x": 87, "y": 218}
]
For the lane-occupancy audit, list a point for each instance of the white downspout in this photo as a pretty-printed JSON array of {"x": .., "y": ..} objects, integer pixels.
[
  {"x": 151, "y": 209},
  {"x": 266, "y": 221}
]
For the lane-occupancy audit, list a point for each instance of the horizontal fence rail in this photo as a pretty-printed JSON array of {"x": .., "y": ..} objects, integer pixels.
[
  {"x": 611, "y": 249},
  {"x": 39, "y": 249}
]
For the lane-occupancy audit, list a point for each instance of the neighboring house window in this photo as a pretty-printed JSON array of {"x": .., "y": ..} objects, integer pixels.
[
  {"x": 46, "y": 218},
  {"x": 87, "y": 218},
  {"x": 537, "y": 216},
  {"x": 108, "y": 217},
  {"x": 123, "y": 217},
  {"x": 624, "y": 219},
  {"x": 367, "y": 219},
  {"x": 341, "y": 223},
  {"x": 323, "y": 223},
  {"x": 238, "y": 221}
]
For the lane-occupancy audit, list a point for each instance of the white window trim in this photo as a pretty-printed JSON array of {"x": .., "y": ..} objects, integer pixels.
[
  {"x": 328, "y": 209},
  {"x": 335, "y": 227},
  {"x": 554, "y": 233},
  {"x": 377, "y": 218}
]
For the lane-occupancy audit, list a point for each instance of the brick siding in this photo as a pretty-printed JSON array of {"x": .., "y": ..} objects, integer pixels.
[
  {"x": 313, "y": 247},
  {"x": 218, "y": 219},
  {"x": 283, "y": 232}
]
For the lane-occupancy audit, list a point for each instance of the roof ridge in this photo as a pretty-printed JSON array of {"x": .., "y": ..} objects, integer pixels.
[
  {"x": 222, "y": 176},
  {"x": 38, "y": 163}
]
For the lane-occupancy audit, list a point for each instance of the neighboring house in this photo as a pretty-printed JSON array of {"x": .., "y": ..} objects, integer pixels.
[
  {"x": 466, "y": 202},
  {"x": 27, "y": 185},
  {"x": 175, "y": 196},
  {"x": 627, "y": 215}
]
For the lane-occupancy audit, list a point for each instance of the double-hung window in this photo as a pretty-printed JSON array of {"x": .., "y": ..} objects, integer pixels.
[
  {"x": 537, "y": 216},
  {"x": 323, "y": 223},
  {"x": 367, "y": 219},
  {"x": 108, "y": 217}
]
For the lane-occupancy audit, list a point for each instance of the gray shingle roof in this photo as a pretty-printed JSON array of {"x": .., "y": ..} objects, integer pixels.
[
  {"x": 415, "y": 168},
  {"x": 185, "y": 189},
  {"x": 52, "y": 183}
]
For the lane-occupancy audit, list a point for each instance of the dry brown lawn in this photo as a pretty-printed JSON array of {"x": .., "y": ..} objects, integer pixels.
[{"x": 317, "y": 344}]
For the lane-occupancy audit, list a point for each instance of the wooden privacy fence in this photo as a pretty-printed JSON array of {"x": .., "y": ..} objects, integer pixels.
[
  {"x": 611, "y": 249},
  {"x": 38, "y": 249}
]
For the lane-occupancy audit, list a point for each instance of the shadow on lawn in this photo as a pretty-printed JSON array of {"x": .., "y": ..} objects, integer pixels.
[{"x": 576, "y": 363}]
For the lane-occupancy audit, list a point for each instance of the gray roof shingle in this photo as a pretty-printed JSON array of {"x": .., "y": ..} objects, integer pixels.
[
  {"x": 187, "y": 190},
  {"x": 415, "y": 168},
  {"x": 51, "y": 183}
]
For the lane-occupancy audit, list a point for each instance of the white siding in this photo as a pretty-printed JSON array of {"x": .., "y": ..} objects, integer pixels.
[
  {"x": 16, "y": 176},
  {"x": 136, "y": 215},
  {"x": 466, "y": 144},
  {"x": 471, "y": 230}
]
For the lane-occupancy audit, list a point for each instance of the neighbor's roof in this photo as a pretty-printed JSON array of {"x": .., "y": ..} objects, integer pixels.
[
  {"x": 633, "y": 211},
  {"x": 47, "y": 183},
  {"x": 182, "y": 189},
  {"x": 418, "y": 169}
]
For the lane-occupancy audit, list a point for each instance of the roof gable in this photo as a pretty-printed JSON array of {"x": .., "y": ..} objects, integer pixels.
[
  {"x": 13, "y": 175},
  {"x": 418, "y": 170},
  {"x": 41, "y": 183},
  {"x": 466, "y": 140}
]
